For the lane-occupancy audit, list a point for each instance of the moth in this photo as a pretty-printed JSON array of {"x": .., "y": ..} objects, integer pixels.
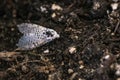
[{"x": 34, "y": 36}]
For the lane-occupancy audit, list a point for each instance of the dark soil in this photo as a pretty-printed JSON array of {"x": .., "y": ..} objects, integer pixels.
[{"x": 88, "y": 47}]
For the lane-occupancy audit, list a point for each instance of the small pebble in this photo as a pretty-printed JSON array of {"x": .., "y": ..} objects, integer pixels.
[
  {"x": 112, "y": 34},
  {"x": 114, "y": 6},
  {"x": 109, "y": 30},
  {"x": 12, "y": 29},
  {"x": 53, "y": 15},
  {"x": 72, "y": 50},
  {"x": 76, "y": 37},
  {"x": 117, "y": 73},
  {"x": 56, "y": 7},
  {"x": 43, "y": 9},
  {"x": 117, "y": 69},
  {"x": 24, "y": 69},
  {"x": 46, "y": 51},
  {"x": 96, "y": 5},
  {"x": 107, "y": 57},
  {"x": 81, "y": 67},
  {"x": 81, "y": 62},
  {"x": 70, "y": 71},
  {"x": 80, "y": 79}
]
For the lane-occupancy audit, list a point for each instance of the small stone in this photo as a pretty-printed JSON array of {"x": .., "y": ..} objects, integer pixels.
[
  {"x": 24, "y": 69},
  {"x": 107, "y": 57},
  {"x": 81, "y": 62},
  {"x": 96, "y": 5},
  {"x": 112, "y": 34},
  {"x": 53, "y": 15},
  {"x": 109, "y": 30},
  {"x": 76, "y": 37},
  {"x": 12, "y": 29},
  {"x": 81, "y": 67},
  {"x": 70, "y": 71},
  {"x": 79, "y": 79},
  {"x": 43, "y": 9},
  {"x": 46, "y": 51},
  {"x": 117, "y": 73},
  {"x": 117, "y": 66},
  {"x": 56, "y": 7},
  {"x": 114, "y": 6},
  {"x": 72, "y": 50},
  {"x": 62, "y": 63},
  {"x": 61, "y": 17}
]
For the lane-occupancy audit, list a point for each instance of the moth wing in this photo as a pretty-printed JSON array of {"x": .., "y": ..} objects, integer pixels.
[
  {"x": 30, "y": 41},
  {"x": 30, "y": 28}
]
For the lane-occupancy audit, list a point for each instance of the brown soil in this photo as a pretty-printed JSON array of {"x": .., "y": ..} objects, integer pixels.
[{"x": 88, "y": 47}]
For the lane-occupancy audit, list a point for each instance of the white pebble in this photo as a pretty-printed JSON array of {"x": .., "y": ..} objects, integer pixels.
[
  {"x": 81, "y": 67},
  {"x": 43, "y": 9},
  {"x": 46, "y": 51},
  {"x": 53, "y": 15},
  {"x": 117, "y": 73},
  {"x": 70, "y": 71},
  {"x": 56, "y": 7},
  {"x": 117, "y": 69},
  {"x": 72, "y": 50},
  {"x": 96, "y": 5},
  {"x": 107, "y": 57},
  {"x": 114, "y": 6},
  {"x": 80, "y": 79}
]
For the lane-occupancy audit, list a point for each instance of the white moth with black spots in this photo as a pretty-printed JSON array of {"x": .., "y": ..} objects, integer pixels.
[{"x": 34, "y": 36}]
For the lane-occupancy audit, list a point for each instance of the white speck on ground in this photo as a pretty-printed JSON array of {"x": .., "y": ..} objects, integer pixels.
[
  {"x": 56, "y": 7},
  {"x": 43, "y": 9},
  {"x": 70, "y": 71},
  {"x": 53, "y": 15},
  {"x": 46, "y": 51},
  {"x": 72, "y": 49},
  {"x": 114, "y": 6},
  {"x": 117, "y": 66}
]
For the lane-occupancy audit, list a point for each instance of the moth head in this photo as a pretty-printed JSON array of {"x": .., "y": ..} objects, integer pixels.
[{"x": 51, "y": 34}]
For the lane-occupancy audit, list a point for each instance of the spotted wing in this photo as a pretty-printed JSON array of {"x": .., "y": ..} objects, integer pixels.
[
  {"x": 30, "y": 41},
  {"x": 30, "y": 28}
]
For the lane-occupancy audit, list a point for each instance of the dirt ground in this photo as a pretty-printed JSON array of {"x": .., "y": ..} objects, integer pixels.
[{"x": 88, "y": 47}]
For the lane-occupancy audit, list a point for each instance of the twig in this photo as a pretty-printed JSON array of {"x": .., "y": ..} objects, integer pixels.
[{"x": 116, "y": 27}]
